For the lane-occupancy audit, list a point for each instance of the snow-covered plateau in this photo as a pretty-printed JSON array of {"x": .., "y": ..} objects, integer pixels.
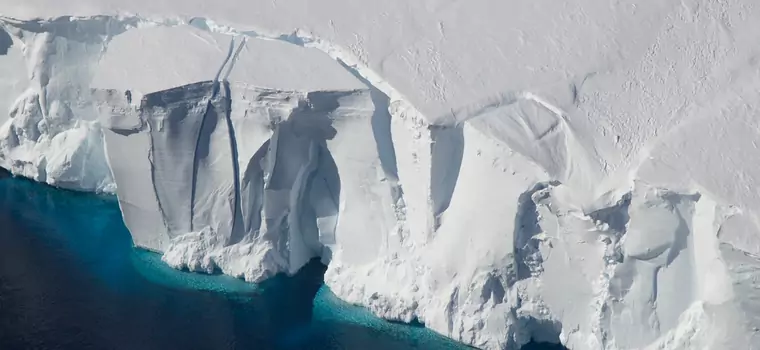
[{"x": 581, "y": 172}]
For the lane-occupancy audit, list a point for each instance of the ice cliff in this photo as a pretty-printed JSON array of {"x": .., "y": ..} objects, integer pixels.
[{"x": 576, "y": 173}]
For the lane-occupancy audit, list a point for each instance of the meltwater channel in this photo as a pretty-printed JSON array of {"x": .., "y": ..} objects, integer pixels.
[{"x": 70, "y": 279}]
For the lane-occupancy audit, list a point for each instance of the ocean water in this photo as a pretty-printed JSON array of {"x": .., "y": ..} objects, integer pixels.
[{"x": 70, "y": 279}]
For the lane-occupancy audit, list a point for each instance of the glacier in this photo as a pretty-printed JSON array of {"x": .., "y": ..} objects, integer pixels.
[{"x": 576, "y": 173}]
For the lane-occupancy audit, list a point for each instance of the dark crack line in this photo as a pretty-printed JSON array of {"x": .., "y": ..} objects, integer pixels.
[
  {"x": 232, "y": 60},
  {"x": 234, "y": 152},
  {"x": 230, "y": 52},
  {"x": 194, "y": 184}
]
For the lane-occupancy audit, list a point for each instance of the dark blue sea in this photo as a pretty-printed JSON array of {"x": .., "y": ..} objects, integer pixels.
[{"x": 70, "y": 279}]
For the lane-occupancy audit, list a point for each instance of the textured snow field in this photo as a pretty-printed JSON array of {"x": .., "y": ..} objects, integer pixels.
[{"x": 499, "y": 170}]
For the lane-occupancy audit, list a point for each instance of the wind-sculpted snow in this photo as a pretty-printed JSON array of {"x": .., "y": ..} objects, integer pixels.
[{"x": 568, "y": 205}]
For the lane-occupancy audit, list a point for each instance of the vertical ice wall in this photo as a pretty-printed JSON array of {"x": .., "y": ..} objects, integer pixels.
[
  {"x": 283, "y": 198},
  {"x": 250, "y": 180},
  {"x": 48, "y": 131}
]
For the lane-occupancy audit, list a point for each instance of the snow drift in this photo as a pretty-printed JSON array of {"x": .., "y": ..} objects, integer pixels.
[{"x": 605, "y": 202}]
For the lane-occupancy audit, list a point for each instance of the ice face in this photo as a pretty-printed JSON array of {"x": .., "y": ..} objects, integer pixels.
[
  {"x": 239, "y": 178},
  {"x": 544, "y": 206},
  {"x": 283, "y": 193}
]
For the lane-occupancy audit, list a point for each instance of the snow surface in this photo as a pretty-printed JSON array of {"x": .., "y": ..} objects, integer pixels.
[{"x": 499, "y": 170}]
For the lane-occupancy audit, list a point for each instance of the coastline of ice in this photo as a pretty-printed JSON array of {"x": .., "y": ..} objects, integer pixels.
[{"x": 498, "y": 222}]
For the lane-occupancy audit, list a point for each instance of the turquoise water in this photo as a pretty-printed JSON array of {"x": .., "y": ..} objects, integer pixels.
[{"x": 70, "y": 279}]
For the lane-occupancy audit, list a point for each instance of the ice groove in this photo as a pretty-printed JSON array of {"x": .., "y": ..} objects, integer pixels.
[
  {"x": 237, "y": 207},
  {"x": 198, "y": 146}
]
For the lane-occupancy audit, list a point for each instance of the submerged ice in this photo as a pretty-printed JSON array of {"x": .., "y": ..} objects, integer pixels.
[{"x": 493, "y": 224}]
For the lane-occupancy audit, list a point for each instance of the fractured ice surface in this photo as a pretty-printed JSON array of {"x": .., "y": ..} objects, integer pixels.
[
  {"x": 577, "y": 173},
  {"x": 242, "y": 178}
]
